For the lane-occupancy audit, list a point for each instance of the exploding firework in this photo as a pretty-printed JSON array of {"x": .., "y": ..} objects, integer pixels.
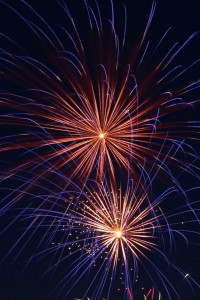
[
  {"x": 106, "y": 235},
  {"x": 90, "y": 110}
]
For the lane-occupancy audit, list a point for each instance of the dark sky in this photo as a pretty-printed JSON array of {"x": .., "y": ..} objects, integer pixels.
[{"x": 183, "y": 17}]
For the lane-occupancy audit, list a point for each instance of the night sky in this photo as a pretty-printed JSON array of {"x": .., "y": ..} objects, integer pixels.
[{"x": 23, "y": 276}]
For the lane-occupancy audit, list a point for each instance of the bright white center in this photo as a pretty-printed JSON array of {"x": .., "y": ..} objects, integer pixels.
[
  {"x": 101, "y": 135},
  {"x": 118, "y": 233}
]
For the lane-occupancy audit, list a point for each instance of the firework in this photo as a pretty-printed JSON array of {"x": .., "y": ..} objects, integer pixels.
[
  {"x": 90, "y": 110},
  {"x": 109, "y": 236}
]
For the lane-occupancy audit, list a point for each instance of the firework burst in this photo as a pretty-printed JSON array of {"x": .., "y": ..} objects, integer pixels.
[
  {"x": 92, "y": 110},
  {"x": 107, "y": 235}
]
